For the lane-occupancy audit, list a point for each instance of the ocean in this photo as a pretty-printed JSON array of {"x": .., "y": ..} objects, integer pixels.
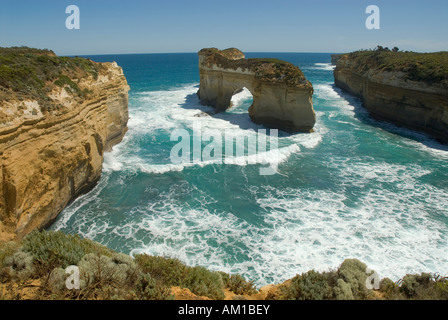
[{"x": 354, "y": 188}]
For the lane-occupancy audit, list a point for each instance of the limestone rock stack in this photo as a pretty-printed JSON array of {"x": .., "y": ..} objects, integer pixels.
[{"x": 282, "y": 97}]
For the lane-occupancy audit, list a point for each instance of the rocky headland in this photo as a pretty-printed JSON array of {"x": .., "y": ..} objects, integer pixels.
[
  {"x": 58, "y": 116},
  {"x": 406, "y": 88},
  {"x": 282, "y": 97},
  {"x": 335, "y": 58}
]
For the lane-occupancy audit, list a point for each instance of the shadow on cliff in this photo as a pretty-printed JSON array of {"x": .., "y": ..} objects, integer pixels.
[
  {"x": 241, "y": 120},
  {"x": 364, "y": 116}
]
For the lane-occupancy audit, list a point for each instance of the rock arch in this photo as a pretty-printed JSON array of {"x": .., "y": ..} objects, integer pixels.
[
  {"x": 241, "y": 94},
  {"x": 282, "y": 97}
]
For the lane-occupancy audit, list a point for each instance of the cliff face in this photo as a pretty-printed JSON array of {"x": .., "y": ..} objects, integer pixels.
[
  {"x": 282, "y": 97},
  {"x": 335, "y": 58},
  {"x": 51, "y": 153},
  {"x": 397, "y": 96}
]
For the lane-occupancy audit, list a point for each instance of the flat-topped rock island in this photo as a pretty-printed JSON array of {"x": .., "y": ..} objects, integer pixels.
[{"x": 282, "y": 96}]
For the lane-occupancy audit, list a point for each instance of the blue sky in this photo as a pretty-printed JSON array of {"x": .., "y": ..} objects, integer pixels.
[{"x": 138, "y": 26}]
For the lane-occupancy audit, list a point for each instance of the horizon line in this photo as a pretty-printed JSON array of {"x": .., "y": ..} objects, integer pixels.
[
  {"x": 195, "y": 52},
  {"x": 191, "y": 52}
]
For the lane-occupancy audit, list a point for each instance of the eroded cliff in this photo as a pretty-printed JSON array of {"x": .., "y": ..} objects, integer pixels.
[
  {"x": 282, "y": 97},
  {"x": 405, "y": 88},
  {"x": 58, "y": 117}
]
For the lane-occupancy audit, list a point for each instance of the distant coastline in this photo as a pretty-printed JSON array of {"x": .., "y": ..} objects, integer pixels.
[{"x": 405, "y": 88}]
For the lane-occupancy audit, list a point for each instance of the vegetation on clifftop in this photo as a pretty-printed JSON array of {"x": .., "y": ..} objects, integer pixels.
[
  {"x": 430, "y": 68},
  {"x": 40, "y": 259},
  {"x": 35, "y": 269},
  {"x": 266, "y": 69},
  {"x": 349, "y": 281},
  {"x": 27, "y": 73}
]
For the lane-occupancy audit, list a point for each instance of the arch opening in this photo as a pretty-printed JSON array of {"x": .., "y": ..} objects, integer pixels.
[
  {"x": 241, "y": 100},
  {"x": 282, "y": 97}
]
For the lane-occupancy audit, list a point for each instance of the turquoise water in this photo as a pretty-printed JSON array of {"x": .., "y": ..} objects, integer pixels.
[{"x": 355, "y": 188}]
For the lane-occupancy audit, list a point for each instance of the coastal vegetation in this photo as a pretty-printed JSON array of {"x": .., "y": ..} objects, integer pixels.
[
  {"x": 348, "y": 282},
  {"x": 430, "y": 68},
  {"x": 27, "y": 73},
  {"x": 34, "y": 268},
  {"x": 266, "y": 69}
]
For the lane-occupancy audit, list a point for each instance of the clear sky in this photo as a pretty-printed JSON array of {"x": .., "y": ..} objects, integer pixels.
[{"x": 147, "y": 26}]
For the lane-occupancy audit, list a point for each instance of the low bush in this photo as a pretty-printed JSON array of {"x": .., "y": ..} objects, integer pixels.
[
  {"x": 352, "y": 275},
  {"x": 308, "y": 286},
  {"x": 237, "y": 284},
  {"x": 167, "y": 271},
  {"x": 56, "y": 249},
  {"x": 30, "y": 73},
  {"x": 172, "y": 272},
  {"x": 204, "y": 282},
  {"x": 18, "y": 266},
  {"x": 7, "y": 249},
  {"x": 148, "y": 289},
  {"x": 348, "y": 282}
]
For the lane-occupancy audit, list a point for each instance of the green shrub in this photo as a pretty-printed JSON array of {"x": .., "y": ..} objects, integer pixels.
[
  {"x": 172, "y": 272},
  {"x": 343, "y": 291},
  {"x": 66, "y": 81},
  {"x": 441, "y": 287},
  {"x": 115, "y": 277},
  {"x": 265, "y": 69},
  {"x": 168, "y": 271},
  {"x": 20, "y": 265},
  {"x": 353, "y": 273},
  {"x": 237, "y": 284},
  {"x": 311, "y": 285},
  {"x": 101, "y": 277},
  {"x": 390, "y": 290},
  {"x": 56, "y": 249},
  {"x": 411, "y": 283},
  {"x": 204, "y": 282},
  {"x": 57, "y": 281},
  {"x": 346, "y": 283},
  {"x": 424, "y": 286},
  {"x": 7, "y": 249},
  {"x": 148, "y": 289},
  {"x": 99, "y": 270}
]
